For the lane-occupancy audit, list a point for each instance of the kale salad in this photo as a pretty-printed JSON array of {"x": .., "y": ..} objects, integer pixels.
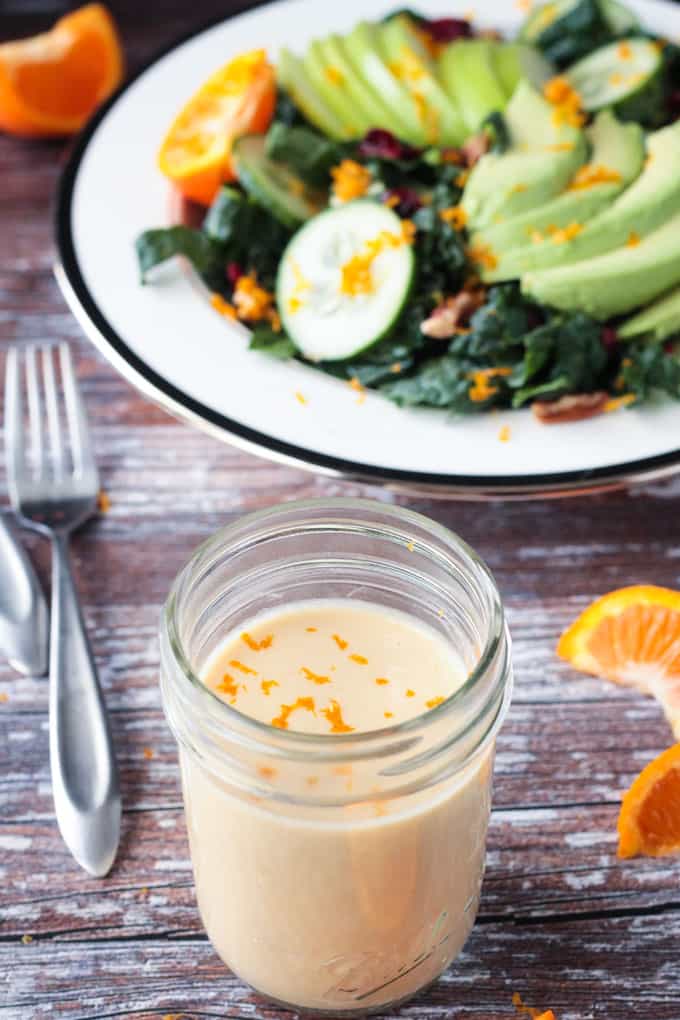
[{"x": 453, "y": 219}]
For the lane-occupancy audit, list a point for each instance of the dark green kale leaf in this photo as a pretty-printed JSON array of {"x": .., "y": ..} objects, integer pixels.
[
  {"x": 247, "y": 234},
  {"x": 305, "y": 151},
  {"x": 276, "y": 345},
  {"x": 159, "y": 245},
  {"x": 438, "y": 382},
  {"x": 498, "y": 327},
  {"x": 565, "y": 355},
  {"x": 650, "y": 367}
]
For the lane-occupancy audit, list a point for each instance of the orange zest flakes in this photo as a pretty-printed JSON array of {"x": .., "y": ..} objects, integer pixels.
[
  {"x": 302, "y": 286},
  {"x": 312, "y": 780},
  {"x": 316, "y": 678},
  {"x": 355, "y": 384},
  {"x": 396, "y": 368},
  {"x": 381, "y": 681},
  {"x": 222, "y": 306},
  {"x": 311, "y": 630},
  {"x": 257, "y": 646},
  {"x": 483, "y": 255},
  {"x": 559, "y": 147},
  {"x": 266, "y": 772},
  {"x": 566, "y": 233},
  {"x": 242, "y": 668},
  {"x": 103, "y": 502},
  {"x": 410, "y": 693},
  {"x": 633, "y": 240},
  {"x": 333, "y": 714},
  {"x": 482, "y": 388},
  {"x": 433, "y": 702},
  {"x": 616, "y": 78},
  {"x": 340, "y": 642},
  {"x": 148, "y": 753},
  {"x": 350, "y": 180},
  {"x": 356, "y": 275},
  {"x": 281, "y": 721},
  {"x": 361, "y": 660},
  {"x": 301, "y": 398},
  {"x": 389, "y": 715},
  {"x": 504, "y": 434},
  {"x": 334, "y": 75},
  {"x": 566, "y": 100},
  {"x": 517, "y": 189},
  {"x": 4, "y": 697},
  {"x": 624, "y": 52},
  {"x": 616, "y": 403},
  {"x": 267, "y": 685},
  {"x": 593, "y": 173},
  {"x": 462, "y": 179},
  {"x": 523, "y": 5},
  {"x": 455, "y": 216},
  {"x": 228, "y": 686},
  {"x": 252, "y": 302}
]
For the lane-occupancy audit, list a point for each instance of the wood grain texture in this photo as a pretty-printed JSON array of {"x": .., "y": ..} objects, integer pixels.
[{"x": 562, "y": 920}]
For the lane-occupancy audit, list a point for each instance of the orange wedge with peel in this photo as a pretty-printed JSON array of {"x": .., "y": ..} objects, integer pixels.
[
  {"x": 237, "y": 100},
  {"x": 631, "y": 636},
  {"x": 649, "y": 822},
  {"x": 50, "y": 84}
]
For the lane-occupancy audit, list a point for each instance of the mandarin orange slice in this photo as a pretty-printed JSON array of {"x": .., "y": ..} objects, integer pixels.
[
  {"x": 631, "y": 636},
  {"x": 649, "y": 822},
  {"x": 50, "y": 84},
  {"x": 237, "y": 100}
]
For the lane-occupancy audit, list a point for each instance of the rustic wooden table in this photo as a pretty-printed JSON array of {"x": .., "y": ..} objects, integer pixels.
[{"x": 562, "y": 921}]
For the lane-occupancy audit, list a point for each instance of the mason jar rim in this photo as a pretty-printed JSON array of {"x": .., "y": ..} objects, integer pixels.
[{"x": 345, "y": 746}]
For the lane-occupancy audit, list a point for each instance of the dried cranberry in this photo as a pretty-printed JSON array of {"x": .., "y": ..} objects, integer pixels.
[
  {"x": 234, "y": 272},
  {"x": 380, "y": 144},
  {"x": 609, "y": 337},
  {"x": 535, "y": 318},
  {"x": 673, "y": 104},
  {"x": 404, "y": 201},
  {"x": 444, "y": 30},
  {"x": 669, "y": 346}
]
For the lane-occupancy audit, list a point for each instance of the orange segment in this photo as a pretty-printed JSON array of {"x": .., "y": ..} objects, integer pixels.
[
  {"x": 631, "y": 636},
  {"x": 50, "y": 84},
  {"x": 649, "y": 822},
  {"x": 238, "y": 99}
]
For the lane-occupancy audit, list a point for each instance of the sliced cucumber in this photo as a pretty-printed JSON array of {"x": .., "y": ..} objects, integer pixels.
[
  {"x": 294, "y": 78},
  {"x": 467, "y": 70},
  {"x": 273, "y": 185},
  {"x": 565, "y": 30},
  {"x": 326, "y": 320},
  {"x": 617, "y": 74},
  {"x": 544, "y": 16},
  {"x": 620, "y": 20},
  {"x": 514, "y": 61}
]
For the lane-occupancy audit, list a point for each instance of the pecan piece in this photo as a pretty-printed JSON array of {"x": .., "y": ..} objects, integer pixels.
[
  {"x": 573, "y": 407},
  {"x": 475, "y": 148},
  {"x": 448, "y": 318}
]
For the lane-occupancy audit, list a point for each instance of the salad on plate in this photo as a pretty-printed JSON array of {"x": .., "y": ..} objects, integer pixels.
[{"x": 453, "y": 219}]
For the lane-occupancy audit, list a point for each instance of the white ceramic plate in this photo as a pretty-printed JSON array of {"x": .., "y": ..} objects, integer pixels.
[{"x": 167, "y": 340}]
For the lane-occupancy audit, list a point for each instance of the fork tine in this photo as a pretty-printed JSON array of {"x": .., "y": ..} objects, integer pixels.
[
  {"x": 35, "y": 415},
  {"x": 52, "y": 404},
  {"x": 14, "y": 429},
  {"x": 81, "y": 444}
]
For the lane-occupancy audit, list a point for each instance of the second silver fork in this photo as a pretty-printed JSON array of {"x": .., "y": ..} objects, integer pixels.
[{"x": 53, "y": 485}]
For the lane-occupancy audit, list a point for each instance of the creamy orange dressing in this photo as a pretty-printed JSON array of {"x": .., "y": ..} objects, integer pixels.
[
  {"x": 359, "y": 904},
  {"x": 334, "y": 667}
]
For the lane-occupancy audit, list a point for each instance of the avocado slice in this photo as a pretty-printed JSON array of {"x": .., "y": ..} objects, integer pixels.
[
  {"x": 614, "y": 283},
  {"x": 341, "y": 74},
  {"x": 408, "y": 59},
  {"x": 362, "y": 45},
  {"x": 355, "y": 122},
  {"x": 616, "y": 148},
  {"x": 657, "y": 322},
  {"x": 292, "y": 75},
  {"x": 645, "y": 205},
  {"x": 514, "y": 61},
  {"x": 468, "y": 72},
  {"x": 543, "y": 158}
]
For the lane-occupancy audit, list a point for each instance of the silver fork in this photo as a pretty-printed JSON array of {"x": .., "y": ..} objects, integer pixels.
[{"x": 53, "y": 485}]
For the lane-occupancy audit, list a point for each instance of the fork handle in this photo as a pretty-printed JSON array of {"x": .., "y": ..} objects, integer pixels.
[{"x": 84, "y": 773}]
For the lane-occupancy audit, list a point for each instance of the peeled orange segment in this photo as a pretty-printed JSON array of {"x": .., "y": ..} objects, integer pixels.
[
  {"x": 238, "y": 99},
  {"x": 631, "y": 636},
  {"x": 649, "y": 822},
  {"x": 50, "y": 84}
]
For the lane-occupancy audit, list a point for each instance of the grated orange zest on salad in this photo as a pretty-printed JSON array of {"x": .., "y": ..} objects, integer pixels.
[
  {"x": 222, "y": 306},
  {"x": 482, "y": 388},
  {"x": 333, "y": 714},
  {"x": 334, "y": 75},
  {"x": 350, "y": 180},
  {"x": 624, "y": 51},
  {"x": 633, "y": 240},
  {"x": 593, "y": 173},
  {"x": 483, "y": 255},
  {"x": 455, "y": 216},
  {"x": 567, "y": 233}
]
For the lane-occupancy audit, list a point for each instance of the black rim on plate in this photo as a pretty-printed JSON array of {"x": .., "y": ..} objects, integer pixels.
[{"x": 174, "y": 400}]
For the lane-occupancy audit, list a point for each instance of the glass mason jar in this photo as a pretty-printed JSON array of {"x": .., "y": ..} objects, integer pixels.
[{"x": 336, "y": 874}]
